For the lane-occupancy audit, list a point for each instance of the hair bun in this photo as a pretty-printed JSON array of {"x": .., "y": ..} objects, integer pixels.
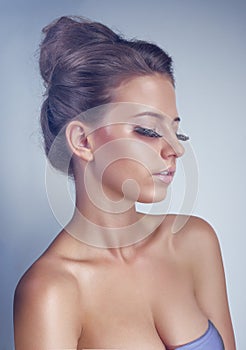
[{"x": 66, "y": 35}]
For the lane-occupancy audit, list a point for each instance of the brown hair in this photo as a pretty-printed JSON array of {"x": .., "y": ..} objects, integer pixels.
[{"x": 81, "y": 63}]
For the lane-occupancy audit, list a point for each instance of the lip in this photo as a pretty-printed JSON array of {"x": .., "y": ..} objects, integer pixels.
[{"x": 167, "y": 179}]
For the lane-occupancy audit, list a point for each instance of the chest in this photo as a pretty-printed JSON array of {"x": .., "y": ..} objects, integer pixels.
[{"x": 137, "y": 307}]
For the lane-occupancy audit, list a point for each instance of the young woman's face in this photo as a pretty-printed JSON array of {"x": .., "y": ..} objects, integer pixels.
[{"x": 135, "y": 153}]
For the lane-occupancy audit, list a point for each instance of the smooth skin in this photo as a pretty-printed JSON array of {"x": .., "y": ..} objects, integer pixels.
[{"x": 160, "y": 290}]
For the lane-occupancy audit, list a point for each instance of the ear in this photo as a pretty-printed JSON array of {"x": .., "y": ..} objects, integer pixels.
[{"x": 77, "y": 141}]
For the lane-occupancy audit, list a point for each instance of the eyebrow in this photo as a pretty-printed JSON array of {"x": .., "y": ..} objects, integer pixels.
[{"x": 155, "y": 115}]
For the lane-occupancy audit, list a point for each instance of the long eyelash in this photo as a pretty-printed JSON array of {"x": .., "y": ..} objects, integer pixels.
[
  {"x": 153, "y": 133},
  {"x": 146, "y": 132},
  {"x": 182, "y": 137}
]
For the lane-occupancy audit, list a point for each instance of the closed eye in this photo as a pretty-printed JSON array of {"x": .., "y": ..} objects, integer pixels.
[
  {"x": 182, "y": 137},
  {"x": 152, "y": 133},
  {"x": 146, "y": 132}
]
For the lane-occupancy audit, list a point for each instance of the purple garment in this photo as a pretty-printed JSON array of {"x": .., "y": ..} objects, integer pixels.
[{"x": 210, "y": 340}]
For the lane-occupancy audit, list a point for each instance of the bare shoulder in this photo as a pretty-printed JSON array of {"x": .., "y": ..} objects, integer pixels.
[
  {"x": 45, "y": 277},
  {"x": 47, "y": 301},
  {"x": 193, "y": 234}
]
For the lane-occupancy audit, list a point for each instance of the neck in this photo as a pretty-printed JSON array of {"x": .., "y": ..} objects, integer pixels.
[{"x": 109, "y": 224}]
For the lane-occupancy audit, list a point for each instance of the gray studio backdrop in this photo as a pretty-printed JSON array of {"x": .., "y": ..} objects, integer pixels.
[{"x": 207, "y": 42}]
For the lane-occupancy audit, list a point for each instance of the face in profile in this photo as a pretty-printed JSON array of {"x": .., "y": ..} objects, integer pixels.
[{"x": 136, "y": 146}]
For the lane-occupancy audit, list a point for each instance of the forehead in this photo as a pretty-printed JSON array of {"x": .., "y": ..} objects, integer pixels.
[{"x": 156, "y": 91}]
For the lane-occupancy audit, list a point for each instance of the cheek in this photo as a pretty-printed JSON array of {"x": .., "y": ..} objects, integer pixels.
[
  {"x": 104, "y": 135},
  {"x": 126, "y": 177},
  {"x": 124, "y": 169},
  {"x": 123, "y": 160},
  {"x": 121, "y": 156}
]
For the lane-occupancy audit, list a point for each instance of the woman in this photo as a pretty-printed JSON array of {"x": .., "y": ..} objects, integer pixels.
[{"x": 114, "y": 278}]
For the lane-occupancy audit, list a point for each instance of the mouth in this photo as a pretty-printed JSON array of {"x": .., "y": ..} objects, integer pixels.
[{"x": 166, "y": 175}]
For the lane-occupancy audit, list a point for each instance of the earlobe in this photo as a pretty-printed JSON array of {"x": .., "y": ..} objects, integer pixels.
[{"x": 77, "y": 141}]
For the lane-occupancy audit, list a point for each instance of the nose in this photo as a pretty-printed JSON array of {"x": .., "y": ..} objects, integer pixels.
[{"x": 171, "y": 147}]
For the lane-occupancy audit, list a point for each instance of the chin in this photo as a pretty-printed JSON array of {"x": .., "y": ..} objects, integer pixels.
[{"x": 148, "y": 198}]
